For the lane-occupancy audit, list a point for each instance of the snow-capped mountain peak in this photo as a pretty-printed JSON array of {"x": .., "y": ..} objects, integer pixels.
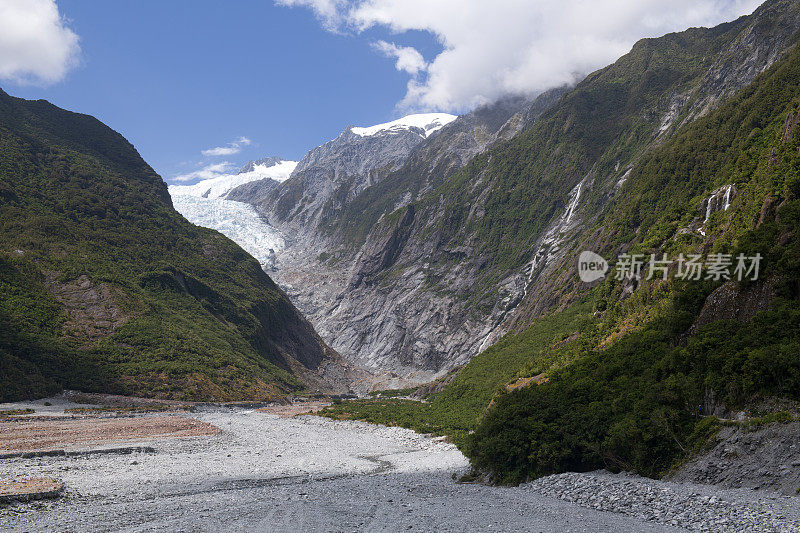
[
  {"x": 266, "y": 162},
  {"x": 273, "y": 168},
  {"x": 427, "y": 122}
]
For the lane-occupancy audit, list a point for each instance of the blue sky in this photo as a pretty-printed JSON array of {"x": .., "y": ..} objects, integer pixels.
[
  {"x": 278, "y": 77},
  {"x": 179, "y": 76}
]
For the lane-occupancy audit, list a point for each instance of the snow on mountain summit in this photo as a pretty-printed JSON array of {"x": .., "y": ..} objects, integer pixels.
[
  {"x": 428, "y": 122},
  {"x": 273, "y": 168}
]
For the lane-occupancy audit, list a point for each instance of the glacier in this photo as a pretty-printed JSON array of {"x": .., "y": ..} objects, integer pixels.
[
  {"x": 204, "y": 204},
  {"x": 237, "y": 221}
]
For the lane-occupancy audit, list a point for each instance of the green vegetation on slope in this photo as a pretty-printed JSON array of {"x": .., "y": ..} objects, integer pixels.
[
  {"x": 456, "y": 410},
  {"x": 521, "y": 185},
  {"x": 624, "y": 379},
  {"x": 104, "y": 287},
  {"x": 633, "y": 405}
]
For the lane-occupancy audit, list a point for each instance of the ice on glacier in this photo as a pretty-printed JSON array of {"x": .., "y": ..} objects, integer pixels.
[{"x": 237, "y": 221}]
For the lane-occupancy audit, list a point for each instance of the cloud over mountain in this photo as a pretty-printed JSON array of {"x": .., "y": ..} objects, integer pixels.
[
  {"x": 233, "y": 147},
  {"x": 512, "y": 46}
]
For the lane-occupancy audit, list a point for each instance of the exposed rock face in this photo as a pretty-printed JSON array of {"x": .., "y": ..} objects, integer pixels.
[
  {"x": 733, "y": 302},
  {"x": 254, "y": 192},
  {"x": 333, "y": 279},
  {"x": 394, "y": 275},
  {"x": 331, "y": 175},
  {"x": 399, "y": 323},
  {"x": 763, "y": 457},
  {"x": 93, "y": 308},
  {"x": 265, "y": 161}
]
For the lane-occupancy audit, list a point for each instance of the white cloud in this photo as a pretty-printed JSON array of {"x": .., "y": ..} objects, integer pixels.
[
  {"x": 409, "y": 59},
  {"x": 514, "y": 46},
  {"x": 233, "y": 147},
  {"x": 207, "y": 172},
  {"x": 329, "y": 12},
  {"x": 36, "y": 46}
]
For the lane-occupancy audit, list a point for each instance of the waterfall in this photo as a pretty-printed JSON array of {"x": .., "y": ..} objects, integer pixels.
[
  {"x": 574, "y": 204},
  {"x": 550, "y": 242},
  {"x": 727, "y": 199},
  {"x": 709, "y": 208},
  {"x": 720, "y": 200}
]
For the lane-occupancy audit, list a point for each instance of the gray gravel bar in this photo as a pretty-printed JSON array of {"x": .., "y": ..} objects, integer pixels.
[{"x": 265, "y": 473}]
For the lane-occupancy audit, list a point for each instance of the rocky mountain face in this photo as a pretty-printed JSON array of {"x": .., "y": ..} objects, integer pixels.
[
  {"x": 330, "y": 175},
  {"x": 348, "y": 185},
  {"x": 105, "y": 287},
  {"x": 265, "y": 162},
  {"x": 430, "y": 257},
  {"x": 648, "y": 370}
]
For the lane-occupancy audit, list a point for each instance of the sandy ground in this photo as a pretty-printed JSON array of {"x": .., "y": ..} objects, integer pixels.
[
  {"x": 287, "y": 411},
  {"x": 262, "y": 472},
  {"x": 28, "y": 486},
  {"x": 45, "y": 435}
]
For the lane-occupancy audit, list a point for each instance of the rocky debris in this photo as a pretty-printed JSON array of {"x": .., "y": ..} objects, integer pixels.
[
  {"x": 692, "y": 507},
  {"x": 126, "y": 450},
  {"x": 27, "y": 489},
  {"x": 762, "y": 457},
  {"x": 266, "y": 473}
]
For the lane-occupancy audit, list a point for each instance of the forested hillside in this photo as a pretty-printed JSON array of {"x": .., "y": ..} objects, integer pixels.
[{"x": 104, "y": 287}]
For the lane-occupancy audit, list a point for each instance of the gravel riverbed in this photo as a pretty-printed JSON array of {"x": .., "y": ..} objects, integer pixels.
[{"x": 267, "y": 473}]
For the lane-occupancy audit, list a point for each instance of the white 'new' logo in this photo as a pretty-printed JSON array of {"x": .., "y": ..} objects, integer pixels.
[{"x": 591, "y": 267}]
